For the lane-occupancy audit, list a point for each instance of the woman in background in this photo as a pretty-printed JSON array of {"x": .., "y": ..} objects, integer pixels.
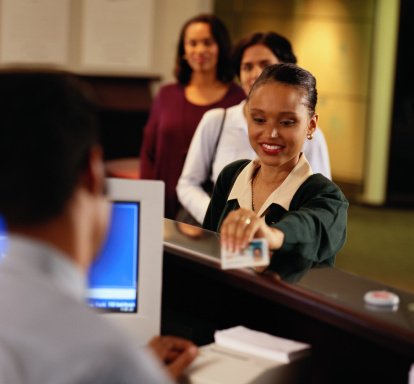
[
  {"x": 204, "y": 81},
  {"x": 277, "y": 196},
  {"x": 251, "y": 55}
]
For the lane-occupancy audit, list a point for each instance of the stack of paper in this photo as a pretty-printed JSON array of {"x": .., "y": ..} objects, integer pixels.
[{"x": 261, "y": 344}]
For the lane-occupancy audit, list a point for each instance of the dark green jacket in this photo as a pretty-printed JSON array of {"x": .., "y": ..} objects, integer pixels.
[{"x": 314, "y": 226}]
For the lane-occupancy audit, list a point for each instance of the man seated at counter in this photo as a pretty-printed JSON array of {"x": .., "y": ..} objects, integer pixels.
[
  {"x": 53, "y": 199},
  {"x": 302, "y": 215}
]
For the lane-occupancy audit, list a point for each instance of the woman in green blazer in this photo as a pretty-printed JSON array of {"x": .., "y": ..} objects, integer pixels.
[{"x": 302, "y": 215}]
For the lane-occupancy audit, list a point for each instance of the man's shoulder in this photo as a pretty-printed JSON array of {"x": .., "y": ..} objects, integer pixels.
[
  {"x": 32, "y": 295},
  {"x": 48, "y": 320}
]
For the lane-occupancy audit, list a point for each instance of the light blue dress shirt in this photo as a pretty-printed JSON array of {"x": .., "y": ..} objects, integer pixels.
[{"x": 48, "y": 335}]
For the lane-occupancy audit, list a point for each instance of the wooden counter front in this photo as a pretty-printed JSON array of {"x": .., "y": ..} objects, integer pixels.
[{"x": 351, "y": 343}]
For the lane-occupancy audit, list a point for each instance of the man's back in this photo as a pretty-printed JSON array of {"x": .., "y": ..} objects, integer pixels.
[
  {"x": 48, "y": 335},
  {"x": 54, "y": 192}
]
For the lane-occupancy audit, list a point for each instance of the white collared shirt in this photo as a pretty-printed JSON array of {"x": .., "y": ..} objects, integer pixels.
[{"x": 242, "y": 189}]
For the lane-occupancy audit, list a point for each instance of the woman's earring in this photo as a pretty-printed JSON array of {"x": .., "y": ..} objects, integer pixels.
[
  {"x": 309, "y": 135},
  {"x": 274, "y": 134}
]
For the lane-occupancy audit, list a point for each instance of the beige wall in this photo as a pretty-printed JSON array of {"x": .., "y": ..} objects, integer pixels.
[
  {"x": 348, "y": 44},
  {"x": 334, "y": 40},
  {"x": 169, "y": 18},
  {"x": 161, "y": 33}
]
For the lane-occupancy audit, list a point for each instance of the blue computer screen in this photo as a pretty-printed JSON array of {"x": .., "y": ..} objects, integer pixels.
[
  {"x": 113, "y": 277},
  {"x": 3, "y": 238}
]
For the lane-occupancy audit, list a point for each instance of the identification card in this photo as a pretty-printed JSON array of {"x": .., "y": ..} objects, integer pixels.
[{"x": 255, "y": 255}]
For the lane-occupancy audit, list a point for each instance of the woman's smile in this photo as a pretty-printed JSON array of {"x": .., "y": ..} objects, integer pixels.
[
  {"x": 278, "y": 122},
  {"x": 271, "y": 149}
]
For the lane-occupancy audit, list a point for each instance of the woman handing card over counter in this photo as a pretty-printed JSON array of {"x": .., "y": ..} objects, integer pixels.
[{"x": 302, "y": 215}]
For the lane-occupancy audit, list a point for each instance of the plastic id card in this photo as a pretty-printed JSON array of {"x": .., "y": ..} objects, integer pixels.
[{"x": 255, "y": 255}]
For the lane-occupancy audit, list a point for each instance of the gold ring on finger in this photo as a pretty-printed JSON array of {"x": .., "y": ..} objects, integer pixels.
[{"x": 247, "y": 221}]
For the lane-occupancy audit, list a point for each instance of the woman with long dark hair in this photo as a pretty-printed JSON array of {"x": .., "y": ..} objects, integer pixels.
[{"x": 204, "y": 80}]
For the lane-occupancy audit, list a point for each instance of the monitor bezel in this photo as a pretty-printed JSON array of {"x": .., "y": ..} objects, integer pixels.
[{"x": 146, "y": 322}]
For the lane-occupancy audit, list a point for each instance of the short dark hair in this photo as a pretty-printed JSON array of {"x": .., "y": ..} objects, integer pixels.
[
  {"x": 221, "y": 36},
  {"x": 291, "y": 74},
  {"x": 279, "y": 45},
  {"x": 48, "y": 124}
]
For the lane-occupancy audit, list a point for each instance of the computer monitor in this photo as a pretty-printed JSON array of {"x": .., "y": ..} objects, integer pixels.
[
  {"x": 126, "y": 278},
  {"x": 3, "y": 238}
]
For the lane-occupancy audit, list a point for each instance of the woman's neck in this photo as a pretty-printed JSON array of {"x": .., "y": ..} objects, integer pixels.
[
  {"x": 204, "y": 80},
  {"x": 272, "y": 175},
  {"x": 205, "y": 89}
]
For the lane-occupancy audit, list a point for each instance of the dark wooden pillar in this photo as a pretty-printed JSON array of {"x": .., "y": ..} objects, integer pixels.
[
  {"x": 401, "y": 180},
  {"x": 125, "y": 104}
]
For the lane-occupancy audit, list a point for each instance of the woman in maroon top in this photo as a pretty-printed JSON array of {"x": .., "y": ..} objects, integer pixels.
[{"x": 204, "y": 81}]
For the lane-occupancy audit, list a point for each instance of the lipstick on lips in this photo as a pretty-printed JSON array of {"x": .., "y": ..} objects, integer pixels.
[
  {"x": 200, "y": 59},
  {"x": 271, "y": 149}
]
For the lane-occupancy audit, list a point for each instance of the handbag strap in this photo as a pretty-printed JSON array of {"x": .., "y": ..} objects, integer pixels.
[{"x": 217, "y": 143}]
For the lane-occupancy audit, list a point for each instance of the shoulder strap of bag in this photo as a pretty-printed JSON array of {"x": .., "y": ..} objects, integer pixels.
[{"x": 217, "y": 142}]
